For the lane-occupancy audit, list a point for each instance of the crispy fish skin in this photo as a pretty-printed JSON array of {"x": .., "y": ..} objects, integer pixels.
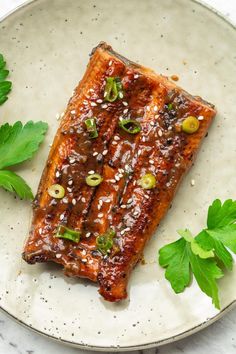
[{"x": 119, "y": 202}]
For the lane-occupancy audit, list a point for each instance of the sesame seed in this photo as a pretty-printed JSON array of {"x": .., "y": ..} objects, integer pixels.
[
  {"x": 155, "y": 108},
  {"x": 121, "y": 170},
  {"x": 84, "y": 260},
  {"x": 100, "y": 215},
  {"x": 151, "y": 162},
  {"x": 93, "y": 104},
  {"x": 120, "y": 175},
  {"x": 105, "y": 93},
  {"x": 114, "y": 143},
  {"x": 110, "y": 63},
  {"x": 121, "y": 95},
  {"x": 85, "y": 102},
  {"x": 136, "y": 213},
  {"x": 61, "y": 216},
  {"x": 70, "y": 182},
  {"x": 123, "y": 206},
  {"x": 99, "y": 100},
  {"x": 159, "y": 132},
  {"x": 117, "y": 178},
  {"x": 139, "y": 152},
  {"x": 40, "y": 231},
  {"x": 116, "y": 138},
  {"x": 125, "y": 103},
  {"x": 130, "y": 200},
  {"x": 127, "y": 167},
  {"x": 57, "y": 174},
  {"x": 83, "y": 252},
  {"x": 57, "y": 116},
  {"x": 105, "y": 152},
  {"x": 73, "y": 201},
  {"x": 143, "y": 139},
  {"x": 100, "y": 202},
  {"x": 148, "y": 108},
  {"x": 50, "y": 145},
  {"x": 122, "y": 232},
  {"x": 104, "y": 105},
  {"x": 69, "y": 189},
  {"x": 91, "y": 172},
  {"x": 62, "y": 114},
  {"x": 136, "y": 76},
  {"x": 72, "y": 160},
  {"x": 65, "y": 200},
  {"x": 157, "y": 116},
  {"x": 152, "y": 123},
  {"x": 200, "y": 118},
  {"x": 107, "y": 200},
  {"x": 91, "y": 90},
  {"x": 83, "y": 200},
  {"x": 192, "y": 182},
  {"x": 95, "y": 153},
  {"x": 73, "y": 111},
  {"x": 90, "y": 261},
  {"x": 88, "y": 234},
  {"x": 112, "y": 180},
  {"x": 125, "y": 110},
  {"x": 58, "y": 255},
  {"x": 99, "y": 207}
]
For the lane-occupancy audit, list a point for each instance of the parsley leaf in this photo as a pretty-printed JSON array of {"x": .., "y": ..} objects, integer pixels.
[
  {"x": 174, "y": 257},
  {"x": 206, "y": 255},
  {"x": 18, "y": 142},
  {"x": 210, "y": 243},
  {"x": 5, "y": 86},
  {"x": 220, "y": 215},
  {"x": 14, "y": 183}
]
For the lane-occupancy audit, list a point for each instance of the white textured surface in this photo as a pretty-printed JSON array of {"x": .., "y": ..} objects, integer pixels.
[{"x": 219, "y": 338}]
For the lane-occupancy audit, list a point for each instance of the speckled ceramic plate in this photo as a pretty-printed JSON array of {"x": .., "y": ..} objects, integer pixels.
[{"x": 47, "y": 44}]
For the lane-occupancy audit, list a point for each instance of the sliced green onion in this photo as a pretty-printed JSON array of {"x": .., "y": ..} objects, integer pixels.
[
  {"x": 93, "y": 180},
  {"x": 190, "y": 125},
  {"x": 130, "y": 126},
  {"x": 65, "y": 232},
  {"x": 113, "y": 89},
  {"x": 147, "y": 181},
  {"x": 56, "y": 191},
  {"x": 91, "y": 127},
  {"x": 170, "y": 106},
  {"x": 105, "y": 242}
]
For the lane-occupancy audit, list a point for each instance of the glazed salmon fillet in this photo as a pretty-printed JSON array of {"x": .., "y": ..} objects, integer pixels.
[{"x": 141, "y": 152}]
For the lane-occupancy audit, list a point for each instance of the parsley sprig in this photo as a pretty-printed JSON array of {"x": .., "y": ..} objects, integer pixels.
[
  {"x": 206, "y": 256},
  {"x": 5, "y": 86},
  {"x": 18, "y": 143}
]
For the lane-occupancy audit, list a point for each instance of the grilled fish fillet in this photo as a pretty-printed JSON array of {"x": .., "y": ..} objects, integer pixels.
[{"x": 161, "y": 148}]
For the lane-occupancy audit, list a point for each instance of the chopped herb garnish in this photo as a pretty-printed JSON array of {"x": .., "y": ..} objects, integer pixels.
[
  {"x": 105, "y": 242},
  {"x": 170, "y": 106},
  {"x": 91, "y": 127},
  {"x": 5, "y": 86},
  {"x": 206, "y": 255},
  {"x": 93, "y": 180},
  {"x": 56, "y": 191},
  {"x": 113, "y": 89},
  {"x": 147, "y": 181},
  {"x": 190, "y": 125},
  {"x": 69, "y": 234},
  {"x": 130, "y": 126}
]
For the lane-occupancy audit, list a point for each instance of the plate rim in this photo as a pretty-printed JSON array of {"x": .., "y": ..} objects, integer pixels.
[{"x": 148, "y": 345}]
